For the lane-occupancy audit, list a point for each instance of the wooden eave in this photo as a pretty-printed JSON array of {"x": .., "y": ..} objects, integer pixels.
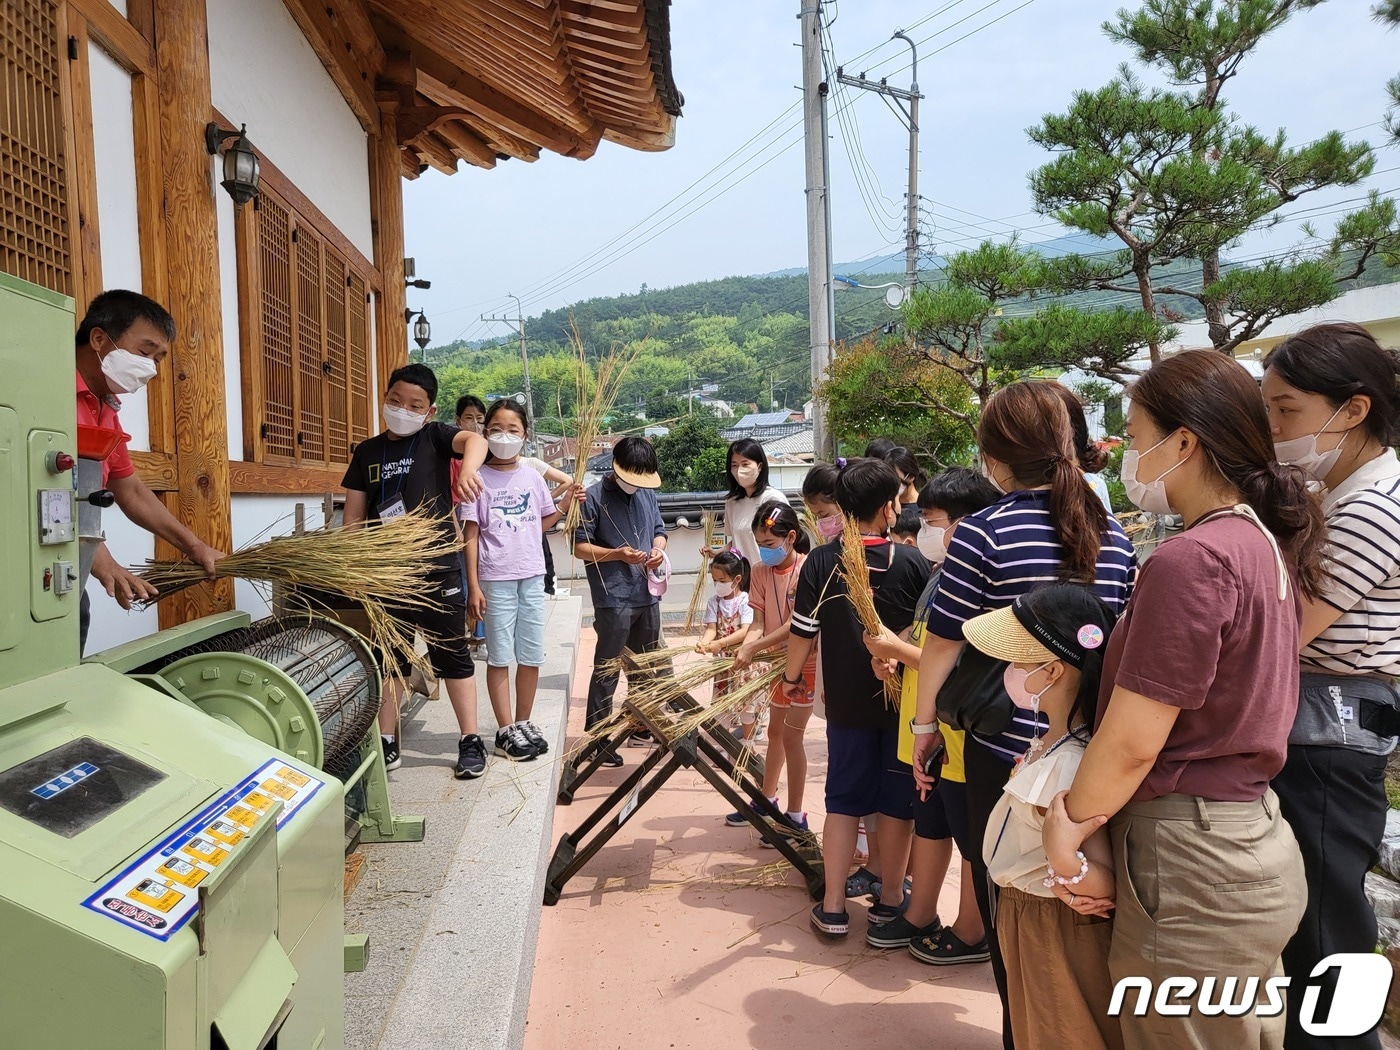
[{"x": 486, "y": 80}]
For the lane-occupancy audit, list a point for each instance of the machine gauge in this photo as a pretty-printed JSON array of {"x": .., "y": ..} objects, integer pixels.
[{"x": 55, "y": 516}]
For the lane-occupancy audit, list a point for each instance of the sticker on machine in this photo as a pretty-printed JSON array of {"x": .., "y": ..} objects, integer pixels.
[{"x": 152, "y": 895}]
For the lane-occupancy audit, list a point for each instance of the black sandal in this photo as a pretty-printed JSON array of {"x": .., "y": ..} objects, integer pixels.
[
  {"x": 945, "y": 948},
  {"x": 859, "y": 883}
]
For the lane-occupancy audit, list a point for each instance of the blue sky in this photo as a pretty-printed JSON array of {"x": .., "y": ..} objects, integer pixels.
[{"x": 988, "y": 69}]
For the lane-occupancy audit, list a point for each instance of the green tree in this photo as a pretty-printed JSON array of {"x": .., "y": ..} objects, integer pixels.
[
  {"x": 1175, "y": 176},
  {"x": 887, "y": 390},
  {"x": 687, "y": 457}
]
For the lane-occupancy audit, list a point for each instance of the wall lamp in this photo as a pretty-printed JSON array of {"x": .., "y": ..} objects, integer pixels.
[
  {"x": 240, "y": 162},
  {"x": 422, "y": 330}
]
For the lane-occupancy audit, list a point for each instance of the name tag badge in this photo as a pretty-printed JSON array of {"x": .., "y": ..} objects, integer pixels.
[{"x": 393, "y": 509}]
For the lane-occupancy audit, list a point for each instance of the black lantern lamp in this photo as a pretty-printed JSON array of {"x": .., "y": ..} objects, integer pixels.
[
  {"x": 422, "y": 331},
  {"x": 240, "y": 162}
]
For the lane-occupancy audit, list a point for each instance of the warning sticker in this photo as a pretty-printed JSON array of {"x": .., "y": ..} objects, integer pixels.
[
  {"x": 182, "y": 871},
  {"x": 144, "y": 897},
  {"x": 155, "y": 894}
]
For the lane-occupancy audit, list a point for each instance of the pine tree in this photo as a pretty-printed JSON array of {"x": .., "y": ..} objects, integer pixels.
[{"x": 1178, "y": 178}]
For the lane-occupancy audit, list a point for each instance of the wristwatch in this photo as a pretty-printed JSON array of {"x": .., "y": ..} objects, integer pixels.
[{"x": 924, "y": 729}]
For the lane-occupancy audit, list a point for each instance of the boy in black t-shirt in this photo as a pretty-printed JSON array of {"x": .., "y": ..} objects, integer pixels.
[
  {"x": 863, "y": 774},
  {"x": 405, "y": 468}
]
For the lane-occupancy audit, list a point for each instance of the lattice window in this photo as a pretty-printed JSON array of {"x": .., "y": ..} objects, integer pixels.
[
  {"x": 314, "y": 353},
  {"x": 357, "y": 337},
  {"x": 278, "y": 337},
  {"x": 34, "y": 242}
]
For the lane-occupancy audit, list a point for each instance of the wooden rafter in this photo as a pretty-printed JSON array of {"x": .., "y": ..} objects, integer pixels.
[{"x": 467, "y": 144}]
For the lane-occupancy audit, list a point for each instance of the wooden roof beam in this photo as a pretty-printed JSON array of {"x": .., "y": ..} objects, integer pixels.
[
  {"x": 340, "y": 33},
  {"x": 438, "y": 78},
  {"x": 435, "y": 152},
  {"x": 466, "y": 144}
]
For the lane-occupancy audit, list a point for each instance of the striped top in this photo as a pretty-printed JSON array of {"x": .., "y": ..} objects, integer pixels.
[
  {"x": 1363, "y": 532},
  {"x": 1001, "y": 553}
]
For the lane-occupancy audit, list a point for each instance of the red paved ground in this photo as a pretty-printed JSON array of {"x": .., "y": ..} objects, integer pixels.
[{"x": 647, "y": 949}]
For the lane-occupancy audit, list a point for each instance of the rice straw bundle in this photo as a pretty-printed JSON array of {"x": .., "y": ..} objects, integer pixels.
[
  {"x": 856, "y": 573},
  {"x": 594, "y": 404},
  {"x": 809, "y": 526},
  {"x": 707, "y": 528},
  {"x": 377, "y": 566}
]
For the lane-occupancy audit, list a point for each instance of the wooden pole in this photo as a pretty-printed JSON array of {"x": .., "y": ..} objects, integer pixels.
[
  {"x": 194, "y": 297},
  {"x": 386, "y": 190}
]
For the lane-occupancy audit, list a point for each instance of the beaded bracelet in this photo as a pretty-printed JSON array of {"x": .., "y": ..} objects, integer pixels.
[{"x": 1051, "y": 879}]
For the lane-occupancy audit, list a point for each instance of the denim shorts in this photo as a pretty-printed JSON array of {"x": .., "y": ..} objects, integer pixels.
[
  {"x": 515, "y": 615},
  {"x": 864, "y": 774}
]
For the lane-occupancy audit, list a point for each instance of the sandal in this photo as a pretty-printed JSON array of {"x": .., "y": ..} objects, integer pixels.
[
  {"x": 858, "y": 884},
  {"x": 877, "y": 888},
  {"x": 945, "y": 948}
]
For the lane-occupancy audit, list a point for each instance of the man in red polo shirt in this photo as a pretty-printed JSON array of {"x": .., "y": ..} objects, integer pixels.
[{"x": 121, "y": 341}]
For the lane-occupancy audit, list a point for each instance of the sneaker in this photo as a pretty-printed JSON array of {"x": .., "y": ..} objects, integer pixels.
[
  {"x": 945, "y": 948},
  {"x": 512, "y": 743},
  {"x": 898, "y": 932},
  {"x": 641, "y": 738},
  {"x": 391, "y": 753},
  {"x": 831, "y": 923},
  {"x": 738, "y": 820},
  {"x": 611, "y": 759},
  {"x": 535, "y": 737},
  {"x": 471, "y": 758},
  {"x": 789, "y": 829}
]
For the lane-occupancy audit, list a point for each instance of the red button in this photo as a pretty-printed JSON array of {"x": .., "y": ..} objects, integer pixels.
[{"x": 62, "y": 461}]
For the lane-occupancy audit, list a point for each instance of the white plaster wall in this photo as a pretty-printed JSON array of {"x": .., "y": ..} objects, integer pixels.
[
  {"x": 114, "y": 137},
  {"x": 264, "y": 74},
  {"x": 258, "y": 518},
  {"x": 120, "y": 5},
  {"x": 233, "y": 359}
]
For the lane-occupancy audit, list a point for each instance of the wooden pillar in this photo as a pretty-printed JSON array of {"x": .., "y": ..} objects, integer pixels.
[
  {"x": 386, "y": 189},
  {"x": 194, "y": 297}
]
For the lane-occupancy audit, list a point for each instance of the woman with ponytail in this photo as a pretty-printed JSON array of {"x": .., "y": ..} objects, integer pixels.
[
  {"x": 1046, "y": 528},
  {"x": 1199, "y": 690},
  {"x": 1334, "y": 406}
]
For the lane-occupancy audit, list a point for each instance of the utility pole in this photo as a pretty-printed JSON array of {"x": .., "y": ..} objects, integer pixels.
[
  {"x": 910, "y": 115},
  {"x": 518, "y": 321},
  {"x": 819, "y": 288}
]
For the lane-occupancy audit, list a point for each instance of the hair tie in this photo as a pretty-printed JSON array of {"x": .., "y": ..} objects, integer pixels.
[{"x": 840, "y": 462}]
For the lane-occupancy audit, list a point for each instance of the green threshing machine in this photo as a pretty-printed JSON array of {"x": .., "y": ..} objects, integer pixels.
[{"x": 173, "y": 812}]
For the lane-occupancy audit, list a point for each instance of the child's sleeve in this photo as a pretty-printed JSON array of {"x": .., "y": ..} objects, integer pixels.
[
  {"x": 355, "y": 474},
  {"x": 712, "y": 610},
  {"x": 745, "y": 611},
  {"x": 472, "y": 509},
  {"x": 810, "y": 583},
  {"x": 963, "y": 584},
  {"x": 588, "y": 517},
  {"x": 441, "y": 435}
]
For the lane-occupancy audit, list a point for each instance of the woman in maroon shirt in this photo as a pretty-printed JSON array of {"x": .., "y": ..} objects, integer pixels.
[{"x": 1199, "y": 691}]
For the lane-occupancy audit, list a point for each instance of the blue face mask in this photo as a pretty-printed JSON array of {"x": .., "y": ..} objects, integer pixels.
[{"x": 772, "y": 556}]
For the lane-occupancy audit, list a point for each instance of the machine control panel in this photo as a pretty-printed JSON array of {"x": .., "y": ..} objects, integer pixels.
[{"x": 56, "y": 516}]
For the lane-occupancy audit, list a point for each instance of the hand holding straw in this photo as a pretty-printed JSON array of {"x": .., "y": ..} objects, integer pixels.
[{"x": 856, "y": 573}]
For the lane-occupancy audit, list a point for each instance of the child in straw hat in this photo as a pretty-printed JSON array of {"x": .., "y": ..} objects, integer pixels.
[{"x": 1058, "y": 984}]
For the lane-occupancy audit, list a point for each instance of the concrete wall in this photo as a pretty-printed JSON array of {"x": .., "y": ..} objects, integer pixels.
[{"x": 1377, "y": 307}]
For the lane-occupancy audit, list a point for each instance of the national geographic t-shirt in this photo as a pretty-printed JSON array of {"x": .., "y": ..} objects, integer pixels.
[{"x": 414, "y": 471}]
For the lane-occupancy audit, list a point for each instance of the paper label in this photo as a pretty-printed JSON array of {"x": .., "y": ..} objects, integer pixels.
[{"x": 155, "y": 893}]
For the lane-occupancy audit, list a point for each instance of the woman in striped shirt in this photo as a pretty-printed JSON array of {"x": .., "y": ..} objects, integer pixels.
[
  {"x": 1334, "y": 409},
  {"x": 1048, "y": 527}
]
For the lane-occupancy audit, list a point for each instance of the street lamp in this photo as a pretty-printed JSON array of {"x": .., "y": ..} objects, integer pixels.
[
  {"x": 894, "y": 291},
  {"x": 422, "y": 330}
]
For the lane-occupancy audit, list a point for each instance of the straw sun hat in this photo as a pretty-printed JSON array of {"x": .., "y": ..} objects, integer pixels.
[{"x": 1015, "y": 635}]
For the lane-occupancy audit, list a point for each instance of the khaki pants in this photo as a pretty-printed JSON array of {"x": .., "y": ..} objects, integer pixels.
[
  {"x": 1057, "y": 983},
  {"x": 1205, "y": 889}
]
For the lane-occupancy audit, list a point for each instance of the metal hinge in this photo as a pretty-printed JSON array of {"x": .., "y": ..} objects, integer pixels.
[
  {"x": 72, "y": 49},
  {"x": 300, "y": 435},
  {"x": 262, "y": 431}
]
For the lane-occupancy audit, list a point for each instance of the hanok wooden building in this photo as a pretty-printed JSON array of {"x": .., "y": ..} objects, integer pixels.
[{"x": 291, "y": 310}]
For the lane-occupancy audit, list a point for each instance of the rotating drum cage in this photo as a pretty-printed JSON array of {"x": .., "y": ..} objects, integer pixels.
[{"x": 309, "y": 686}]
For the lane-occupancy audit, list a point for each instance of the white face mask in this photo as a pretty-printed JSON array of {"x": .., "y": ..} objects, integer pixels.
[
  {"x": 505, "y": 446},
  {"x": 1302, "y": 452},
  {"x": 126, "y": 372},
  {"x": 631, "y": 490},
  {"x": 724, "y": 589},
  {"x": 403, "y": 423},
  {"x": 746, "y": 475},
  {"x": 990, "y": 476},
  {"x": 933, "y": 542},
  {"x": 1150, "y": 496}
]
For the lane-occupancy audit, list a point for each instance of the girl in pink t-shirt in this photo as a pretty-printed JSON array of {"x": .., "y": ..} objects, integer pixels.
[{"x": 505, "y": 574}]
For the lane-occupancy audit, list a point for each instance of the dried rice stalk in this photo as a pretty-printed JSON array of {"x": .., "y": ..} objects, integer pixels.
[
  {"x": 595, "y": 401},
  {"x": 378, "y": 566},
  {"x": 707, "y": 528},
  {"x": 856, "y": 573}
]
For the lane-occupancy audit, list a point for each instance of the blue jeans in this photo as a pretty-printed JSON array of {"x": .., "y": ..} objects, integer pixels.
[{"x": 515, "y": 618}]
